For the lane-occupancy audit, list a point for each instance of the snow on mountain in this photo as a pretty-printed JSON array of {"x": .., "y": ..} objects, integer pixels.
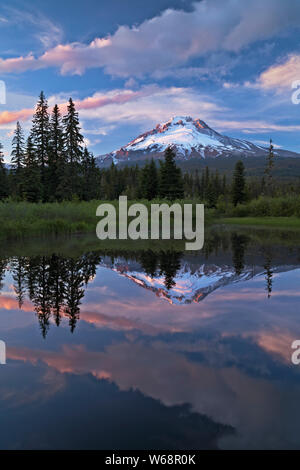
[
  {"x": 188, "y": 285},
  {"x": 188, "y": 137}
]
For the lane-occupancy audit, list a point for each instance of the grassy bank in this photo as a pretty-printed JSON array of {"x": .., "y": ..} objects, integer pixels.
[
  {"x": 20, "y": 220},
  {"x": 274, "y": 222},
  {"x": 284, "y": 206}
]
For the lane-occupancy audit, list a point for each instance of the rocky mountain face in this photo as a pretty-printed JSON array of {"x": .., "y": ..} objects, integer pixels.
[{"x": 190, "y": 138}]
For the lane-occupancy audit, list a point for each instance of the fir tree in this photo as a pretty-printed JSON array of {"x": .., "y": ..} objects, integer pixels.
[
  {"x": 269, "y": 169},
  {"x": 56, "y": 152},
  {"x": 17, "y": 159},
  {"x": 73, "y": 149},
  {"x": 211, "y": 194},
  {"x": 149, "y": 181},
  {"x": 238, "y": 186},
  {"x": 40, "y": 134},
  {"x": 32, "y": 174},
  {"x": 3, "y": 176},
  {"x": 17, "y": 154},
  {"x": 171, "y": 185},
  {"x": 90, "y": 177}
]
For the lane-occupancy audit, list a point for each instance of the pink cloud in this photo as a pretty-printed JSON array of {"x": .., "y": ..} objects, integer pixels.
[
  {"x": 7, "y": 117},
  {"x": 169, "y": 40},
  {"x": 94, "y": 102}
]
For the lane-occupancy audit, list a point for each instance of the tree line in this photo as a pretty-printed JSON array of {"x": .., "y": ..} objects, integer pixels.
[{"x": 54, "y": 165}]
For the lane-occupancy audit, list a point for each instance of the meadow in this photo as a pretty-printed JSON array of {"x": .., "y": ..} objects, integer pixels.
[{"x": 22, "y": 219}]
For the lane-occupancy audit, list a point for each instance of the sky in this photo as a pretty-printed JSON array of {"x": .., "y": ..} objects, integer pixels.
[{"x": 130, "y": 65}]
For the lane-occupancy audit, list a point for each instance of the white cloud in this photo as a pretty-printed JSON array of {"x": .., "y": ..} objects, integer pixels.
[
  {"x": 153, "y": 104},
  {"x": 279, "y": 77},
  {"x": 253, "y": 126},
  {"x": 170, "y": 40}
]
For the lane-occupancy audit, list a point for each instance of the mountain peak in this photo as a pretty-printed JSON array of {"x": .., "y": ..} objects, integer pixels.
[
  {"x": 190, "y": 138},
  {"x": 179, "y": 120}
]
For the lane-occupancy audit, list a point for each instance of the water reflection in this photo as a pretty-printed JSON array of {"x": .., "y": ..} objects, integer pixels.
[
  {"x": 239, "y": 244},
  {"x": 54, "y": 284},
  {"x": 267, "y": 253},
  {"x": 173, "y": 350}
]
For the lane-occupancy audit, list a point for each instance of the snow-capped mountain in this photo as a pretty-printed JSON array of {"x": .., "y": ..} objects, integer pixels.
[
  {"x": 189, "y": 138},
  {"x": 189, "y": 285}
]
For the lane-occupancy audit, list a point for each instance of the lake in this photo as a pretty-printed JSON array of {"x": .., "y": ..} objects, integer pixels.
[{"x": 151, "y": 349}]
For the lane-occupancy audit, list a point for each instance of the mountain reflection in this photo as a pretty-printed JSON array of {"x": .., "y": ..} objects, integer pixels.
[
  {"x": 167, "y": 263},
  {"x": 56, "y": 284}
]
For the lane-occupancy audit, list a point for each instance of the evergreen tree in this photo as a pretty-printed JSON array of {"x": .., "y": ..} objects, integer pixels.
[
  {"x": 149, "y": 181},
  {"x": 32, "y": 174},
  {"x": 206, "y": 182},
  {"x": 90, "y": 177},
  {"x": 17, "y": 159},
  {"x": 238, "y": 186},
  {"x": 211, "y": 194},
  {"x": 152, "y": 186},
  {"x": 269, "y": 169},
  {"x": 3, "y": 176},
  {"x": 73, "y": 150},
  {"x": 171, "y": 184},
  {"x": 40, "y": 134},
  {"x": 224, "y": 185},
  {"x": 17, "y": 154},
  {"x": 56, "y": 152}
]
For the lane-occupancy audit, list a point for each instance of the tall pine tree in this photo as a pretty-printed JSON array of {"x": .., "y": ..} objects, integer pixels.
[
  {"x": 171, "y": 184},
  {"x": 73, "y": 150},
  {"x": 239, "y": 184},
  {"x": 90, "y": 177},
  {"x": 32, "y": 175},
  {"x": 269, "y": 169},
  {"x": 17, "y": 160},
  {"x": 3, "y": 176},
  {"x": 40, "y": 134},
  {"x": 56, "y": 153}
]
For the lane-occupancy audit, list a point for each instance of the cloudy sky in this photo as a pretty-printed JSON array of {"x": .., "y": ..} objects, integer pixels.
[{"x": 131, "y": 64}]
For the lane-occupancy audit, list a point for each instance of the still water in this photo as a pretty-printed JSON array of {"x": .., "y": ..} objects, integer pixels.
[{"x": 160, "y": 349}]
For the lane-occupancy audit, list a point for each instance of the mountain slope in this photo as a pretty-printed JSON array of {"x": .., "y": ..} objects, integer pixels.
[
  {"x": 190, "y": 139},
  {"x": 189, "y": 285}
]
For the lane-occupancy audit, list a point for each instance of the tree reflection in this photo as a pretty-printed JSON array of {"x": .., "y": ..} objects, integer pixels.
[
  {"x": 239, "y": 244},
  {"x": 268, "y": 271},
  {"x": 54, "y": 284},
  {"x": 167, "y": 263}
]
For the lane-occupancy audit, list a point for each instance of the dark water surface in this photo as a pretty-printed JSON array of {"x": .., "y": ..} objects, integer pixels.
[{"x": 152, "y": 349}]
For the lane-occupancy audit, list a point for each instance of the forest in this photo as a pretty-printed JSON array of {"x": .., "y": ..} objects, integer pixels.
[{"x": 52, "y": 168}]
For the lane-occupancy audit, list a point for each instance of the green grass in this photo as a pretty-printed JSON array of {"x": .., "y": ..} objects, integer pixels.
[
  {"x": 280, "y": 222},
  {"x": 21, "y": 220}
]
